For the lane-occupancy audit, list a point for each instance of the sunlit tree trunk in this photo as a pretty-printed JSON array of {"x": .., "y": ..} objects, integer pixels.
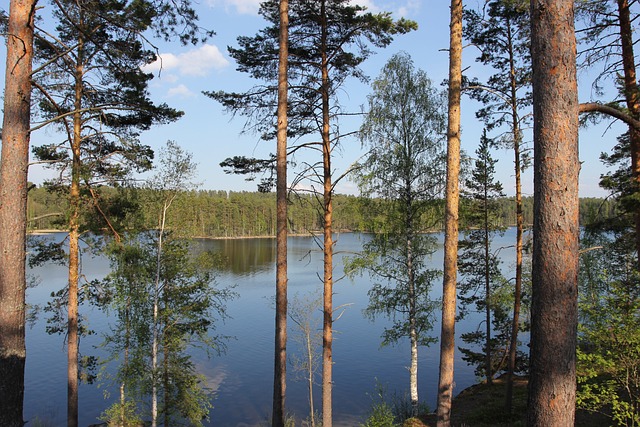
[
  {"x": 413, "y": 332},
  {"x": 13, "y": 209},
  {"x": 552, "y": 384},
  {"x": 517, "y": 294},
  {"x": 327, "y": 331},
  {"x": 155, "y": 339},
  {"x": 74, "y": 251},
  {"x": 632, "y": 97},
  {"x": 280, "y": 357},
  {"x": 447, "y": 336}
]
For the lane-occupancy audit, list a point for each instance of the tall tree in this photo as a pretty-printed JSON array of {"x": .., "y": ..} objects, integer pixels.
[
  {"x": 552, "y": 381},
  {"x": 321, "y": 36},
  {"x": 452, "y": 196},
  {"x": 502, "y": 35},
  {"x": 609, "y": 39},
  {"x": 404, "y": 166},
  {"x": 13, "y": 208},
  {"x": 91, "y": 87},
  {"x": 280, "y": 357}
]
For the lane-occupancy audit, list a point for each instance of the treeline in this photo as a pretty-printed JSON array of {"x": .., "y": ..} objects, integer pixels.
[{"x": 211, "y": 213}]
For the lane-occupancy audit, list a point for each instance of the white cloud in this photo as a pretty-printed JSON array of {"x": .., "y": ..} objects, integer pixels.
[
  {"x": 181, "y": 91},
  {"x": 403, "y": 8},
  {"x": 371, "y": 7},
  {"x": 243, "y": 7},
  {"x": 198, "y": 62},
  {"x": 408, "y": 9}
]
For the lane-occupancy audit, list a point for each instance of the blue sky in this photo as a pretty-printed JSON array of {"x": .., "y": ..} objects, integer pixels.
[{"x": 211, "y": 135}]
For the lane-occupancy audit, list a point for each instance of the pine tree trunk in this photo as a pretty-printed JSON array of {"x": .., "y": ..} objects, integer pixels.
[
  {"x": 13, "y": 209},
  {"x": 74, "y": 251},
  {"x": 447, "y": 338},
  {"x": 633, "y": 101},
  {"x": 327, "y": 330},
  {"x": 487, "y": 288},
  {"x": 517, "y": 294},
  {"x": 280, "y": 357},
  {"x": 552, "y": 383}
]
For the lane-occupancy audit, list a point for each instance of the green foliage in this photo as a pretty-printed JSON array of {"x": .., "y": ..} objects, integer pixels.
[
  {"x": 609, "y": 331},
  {"x": 121, "y": 415},
  {"x": 381, "y": 413}
]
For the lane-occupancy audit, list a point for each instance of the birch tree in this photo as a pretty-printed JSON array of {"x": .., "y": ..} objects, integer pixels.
[{"x": 403, "y": 132}]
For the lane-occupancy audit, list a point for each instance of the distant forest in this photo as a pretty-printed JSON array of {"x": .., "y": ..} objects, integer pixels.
[{"x": 207, "y": 213}]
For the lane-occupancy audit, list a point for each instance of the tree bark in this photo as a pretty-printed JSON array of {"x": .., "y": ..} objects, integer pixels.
[
  {"x": 280, "y": 357},
  {"x": 632, "y": 97},
  {"x": 74, "y": 251},
  {"x": 487, "y": 285},
  {"x": 447, "y": 338},
  {"x": 552, "y": 384},
  {"x": 327, "y": 329},
  {"x": 13, "y": 209},
  {"x": 517, "y": 294}
]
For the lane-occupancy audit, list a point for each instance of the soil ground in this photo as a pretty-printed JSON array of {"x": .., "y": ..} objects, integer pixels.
[{"x": 482, "y": 405}]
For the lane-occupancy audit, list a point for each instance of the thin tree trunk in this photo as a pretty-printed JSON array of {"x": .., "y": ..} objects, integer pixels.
[
  {"x": 13, "y": 209},
  {"x": 280, "y": 357},
  {"x": 156, "y": 320},
  {"x": 74, "y": 252},
  {"x": 327, "y": 329},
  {"x": 311, "y": 368},
  {"x": 633, "y": 101},
  {"x": 413, "y": 332},
  {"x": 447, "y": 338},
  {"x": 517, "y": 295},
  {"x": 487, "y": 287},
  {"x": 552, "y": 385}
]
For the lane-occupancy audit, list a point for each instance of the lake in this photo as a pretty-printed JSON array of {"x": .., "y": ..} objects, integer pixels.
[{"x": 242, "y": 378}]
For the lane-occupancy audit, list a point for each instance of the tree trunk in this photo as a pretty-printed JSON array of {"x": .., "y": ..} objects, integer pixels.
[
  {"x": 487, "y": 287},
  {"x": 74, "y": 251},
  {"x": 633, "y": 102},
  {"x": 517, "y": 294},
  {"x": 552, "y": 383},
  {"x": 156, "y": 318},
  {"x": 310, "y": 371},
  {"x": 447, "y": 338},
  {"x": 280, "y": 357},
  {"x": 327, "y": 329},
  {"x": 13, "y": 209},
  {"x": 411, "y": 276}
]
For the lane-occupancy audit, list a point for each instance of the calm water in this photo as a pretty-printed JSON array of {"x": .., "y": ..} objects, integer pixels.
[{"x": 242, "y": 378}]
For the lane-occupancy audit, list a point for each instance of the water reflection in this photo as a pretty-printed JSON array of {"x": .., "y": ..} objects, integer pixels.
[{"x": 242, "y": 257}]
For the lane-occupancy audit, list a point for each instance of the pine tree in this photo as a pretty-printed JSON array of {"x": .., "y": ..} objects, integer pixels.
[
  {"x": 328, "y": 40},
  {"x": 479, "y": 266},
  {"x": 552, "y": 380}
]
